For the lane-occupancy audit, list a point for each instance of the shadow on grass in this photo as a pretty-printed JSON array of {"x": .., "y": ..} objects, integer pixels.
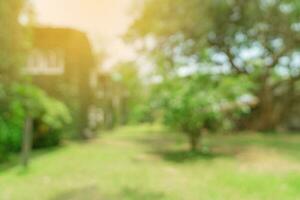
[
  {"x": 93, "y": 193},
  {"x": 136, "y": 194},
  {"x": 15, "y": 160},
  {"x": 174, "y": 149},
  {"x": 88, "y": 192},
  {"x": 11, "y": 162},
  {"x": 183, "y": 156}
]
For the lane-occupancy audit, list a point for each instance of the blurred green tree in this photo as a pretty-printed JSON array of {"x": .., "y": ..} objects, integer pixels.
[
  {"x": 129, "y": 92},
  {"x": 202, "y": 103},
  {"x": 257, "y": 38},
  {"x": 13, "y": 43},
  {"x": 12, "y": 48},
  {"x": 19, "y": 99}
]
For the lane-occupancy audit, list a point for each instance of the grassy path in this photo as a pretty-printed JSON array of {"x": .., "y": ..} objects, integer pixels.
[{"x": 144, "y": 163}]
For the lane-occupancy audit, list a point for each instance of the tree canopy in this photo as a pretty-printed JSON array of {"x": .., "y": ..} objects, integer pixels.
[
  {"x": 259, "y": 38},
  {"x": 12, "y": 39}
]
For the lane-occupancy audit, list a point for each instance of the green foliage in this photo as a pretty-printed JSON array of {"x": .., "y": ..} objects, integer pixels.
[
  {"x": 251, "y": 36},
  {"x": 257, "y": 38},
  {"x": 142, "y": 113},
  {"x": 11, "y": 58},
  {"x": 205, "y": 103},
  {"x": 18, "y": 98},
  {"x": 127, "y": 94},
  {"x": 34, "y": 102},
  {"x": 13, "y": 42},
  {"x": 29, "y": 101}
]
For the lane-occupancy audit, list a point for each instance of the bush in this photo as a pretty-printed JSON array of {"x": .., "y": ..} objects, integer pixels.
[
  {"x": 50, "y": 116},
  {"x": 141, "y": 114},
  {"x": 205, "y": 103}
]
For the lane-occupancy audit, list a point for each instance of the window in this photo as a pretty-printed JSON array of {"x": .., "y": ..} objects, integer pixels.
[{"x": 48, "y": 62}]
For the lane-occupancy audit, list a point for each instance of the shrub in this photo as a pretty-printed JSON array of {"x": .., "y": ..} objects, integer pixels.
[
  {"x": 28, "y": 100},
  {"x": 204, "y": 103}
]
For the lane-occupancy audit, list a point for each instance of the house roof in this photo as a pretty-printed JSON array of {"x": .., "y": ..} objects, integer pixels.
[{"x": 73, "y": 43}]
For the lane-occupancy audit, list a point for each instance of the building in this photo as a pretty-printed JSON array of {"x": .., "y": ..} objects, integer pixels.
[{"x": 62, "y": 63}]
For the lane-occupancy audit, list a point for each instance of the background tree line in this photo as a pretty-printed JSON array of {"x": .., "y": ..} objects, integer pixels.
[
  {"x": 202, "y": 44},
  {"x": 20, "y": 100},
  {"x": 217, "y": 65}
]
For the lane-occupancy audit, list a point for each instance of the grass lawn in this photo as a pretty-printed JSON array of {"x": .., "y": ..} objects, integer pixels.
[{"x": 147, "y": 163}]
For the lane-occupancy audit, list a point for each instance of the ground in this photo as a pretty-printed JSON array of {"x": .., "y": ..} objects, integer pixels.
[{"x": 151, "y": 163}]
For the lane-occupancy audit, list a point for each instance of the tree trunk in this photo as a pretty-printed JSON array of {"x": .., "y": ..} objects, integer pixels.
[
  {"x": 27, "y": 142},
  {"x": 194, "y": 142},
  {"x": 272, "y": 110}
]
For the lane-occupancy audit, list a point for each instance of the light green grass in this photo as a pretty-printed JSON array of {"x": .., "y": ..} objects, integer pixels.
[{"x": 147, "y": 163}]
